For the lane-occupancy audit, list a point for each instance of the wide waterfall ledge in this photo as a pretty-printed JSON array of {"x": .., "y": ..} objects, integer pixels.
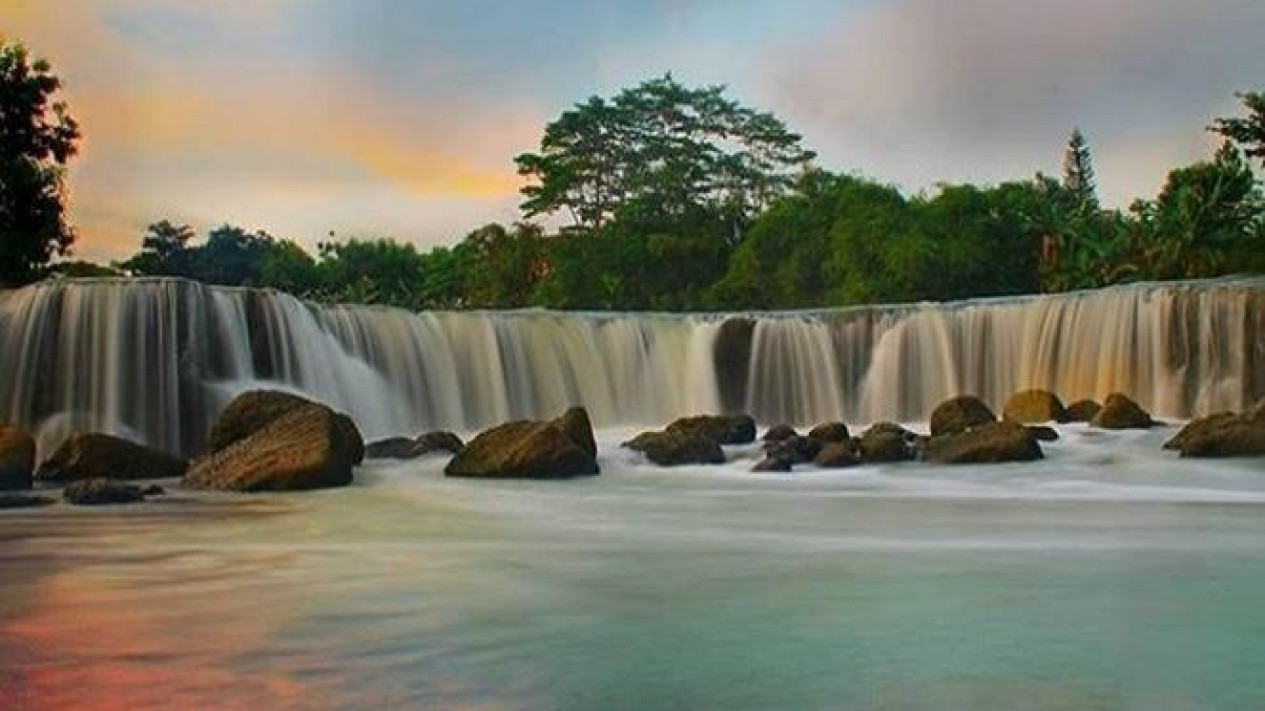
[{"x": 156, "y": 359}]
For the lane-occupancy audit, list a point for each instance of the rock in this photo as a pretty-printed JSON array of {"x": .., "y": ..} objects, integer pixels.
[
  {"x": 23, "y": 501},
  {"x": 722, "y": 429},
  {"x": 994, "y": 442},
  {"x": 154, "y": 490},
  {"x": 250, "y": 412},
  {"x": 670, "y": 449},
  {"x": 525, "y": 449},
  {"x": 1082, "y": 411},
  {"x": 17, "y": 457},
  {"x": 1034, "y": 407},
  {"x": 773, "y": 463},
  {"x": 837, "y": 455},
  {"x": 960, "y": 414},
  {"x": 1224, "y": 434},
  {"x": 1043, "y": 433},
  {"x": 101, "y": 456},
  {"x": 830, "y": 432},
  {"x": 391, "y": 448},
  {"x": 886, "y": 442},
  {"x": 797, "y": 449},
  {"x": 441, "y": 441},
  {"x": 309, "y": 447},
  {"x": 1121, "y": 413},
  {"x": 777, "y": 433},
  {"x": 405, "y": 448},
  {"x": 95, "y": 492},
  {"x": 1200, "y": 427}
]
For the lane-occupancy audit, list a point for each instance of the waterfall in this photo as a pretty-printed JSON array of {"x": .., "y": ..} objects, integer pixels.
[{"x": 156, "y": 359}]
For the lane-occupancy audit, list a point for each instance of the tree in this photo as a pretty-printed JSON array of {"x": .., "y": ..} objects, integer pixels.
[
  {"x": 1248, "y": 133},
  {"x": 660, "y": 149},
  {"x": 164, "y": 251},
  {"x": 37, "y": 138},
  {"x": 1078, "y": 171}
]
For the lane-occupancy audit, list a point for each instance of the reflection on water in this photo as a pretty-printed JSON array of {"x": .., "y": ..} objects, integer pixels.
[{"x": 1127, "y": 580}]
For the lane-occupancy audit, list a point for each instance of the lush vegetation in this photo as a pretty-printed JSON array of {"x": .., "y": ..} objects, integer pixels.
[{"x": 680, "y": 198}]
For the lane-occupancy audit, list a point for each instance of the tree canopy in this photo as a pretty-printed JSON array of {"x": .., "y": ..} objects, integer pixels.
[{"x": 38, "y": 137}]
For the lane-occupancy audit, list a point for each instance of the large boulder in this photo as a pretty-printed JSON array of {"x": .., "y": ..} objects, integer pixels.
[
  {"x": 959, "y": 414},
  {"x": 994, "y": 442},
  {"x": 527, "y": 449},
  {"x": 1224, "y": 434},
  {"x": 252, "y": 411},
  {"x": 101, "y": 456},
  {"x": 17, "y": 457},
  {"x": 837, "y": 455},
  {"x": 308, "y": 447},
  {"x": 1083, "y": 411},
  {"x": 98, "y": 492},
  {"x": 722, "y": 429},
  {"x": 828, "y": 432},
  {"x": 887, "y": 442},
  {"x": 671, "y": 449},
  {"x": 1031, "y": 407},
  {"x": 1119, "y": 412},
  {"x": 1200, "y": 427}
]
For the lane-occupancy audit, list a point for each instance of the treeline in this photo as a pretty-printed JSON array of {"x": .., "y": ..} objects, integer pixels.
[{"x": 679, "y": 198}]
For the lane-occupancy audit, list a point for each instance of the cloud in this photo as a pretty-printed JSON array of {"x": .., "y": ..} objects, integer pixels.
[{"x": 921, "y": 90}]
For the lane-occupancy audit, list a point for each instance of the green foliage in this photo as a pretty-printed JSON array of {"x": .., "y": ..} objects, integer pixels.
[
  {"x": 1249, "y": 132},
  {"x": 660, "y": 150},
  {"x": 1078, "y": 171},
  {"x": 37, "y": 138}
]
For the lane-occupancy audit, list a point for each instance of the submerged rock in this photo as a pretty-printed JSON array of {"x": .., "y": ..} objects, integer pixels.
[
  {"x": 1082, "y": 411},
  {"x": 1035, "y": 406},
  {"x": 96, "y": 492},
  {"x": 17, "y": 457},
  {"x": 722, "y": 429},
  {"x": 1119, "y": 412},
  {"x": 796, "y": 450},
  {"x": 994, "y": 442},
  {"x": 405, "y": 448},
  {"x": 670, "y": 449},
  {"x": 773, "y": 463},
  {"x": 307, "y": 446},
  {"x": 777, "y": 433},
  {"x": 960, "y": 414},
  {"x": 830, "y": 432},
  {"x": 838, "y": 455},
  {"x": 24, "y": 501},
  {"x": 526, "y": 449},
  {"x": 101, "y": 456}
]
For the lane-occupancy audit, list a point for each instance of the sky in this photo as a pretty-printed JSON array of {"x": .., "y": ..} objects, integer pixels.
[{"x": 401, "y": 118}]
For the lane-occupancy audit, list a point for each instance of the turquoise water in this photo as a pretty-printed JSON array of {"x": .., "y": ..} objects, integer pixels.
[{"x": 1110, "y": 576}]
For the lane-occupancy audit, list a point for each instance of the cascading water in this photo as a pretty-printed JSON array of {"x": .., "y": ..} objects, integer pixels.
[{"x": 156, "y": 359}]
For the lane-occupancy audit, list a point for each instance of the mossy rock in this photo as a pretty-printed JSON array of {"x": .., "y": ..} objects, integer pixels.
[
  {"x": 991, "y": 443},
  {"x": 671, "y": 449},
  {"x": 1083, "y": 411},
  {"x": 562, "y": 448},
  {"x": 1119, "y": 412},
  {"x": 830, "y": 432},
  {"x": 959, "y": 414},
  {"x": 1032, "y": 407}
]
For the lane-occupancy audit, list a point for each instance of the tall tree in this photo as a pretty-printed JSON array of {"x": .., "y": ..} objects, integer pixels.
[
  {"x": 660, "y": 150},
  {"x": 37, "y": 138},
  {"x": 1078, "y": 170},
  {"x": 1249, "y": 132}
]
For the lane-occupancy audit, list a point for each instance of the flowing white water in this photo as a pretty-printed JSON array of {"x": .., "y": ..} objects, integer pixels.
[{"x": 156, "y": 359}]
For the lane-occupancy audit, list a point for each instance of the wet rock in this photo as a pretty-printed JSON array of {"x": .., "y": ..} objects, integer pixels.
[
  {"x": 391, "y": 448},
  {"x": 252, "y": 411},
  {"x": 17, "y": 457},
  {"x": 1082, "y": 411},
  {"x": 101, "y": 456},
  {"x": 960, "y": 414},
  {"x": 1200, "y": 427},
  {"x": 1034, "y": 407},
  {"x": 887, "y": 442},
  {"x": 670, "y": 449},
  {"x": 1222, "y": 435},
  {"x": 838, "y": 455},
  {"x": 797, "y": 449},
  {"x": 97, "y": 492},
  {"x": 308, "y": 447},
  {"x": 773, "y": 463},
  {"x": 722, "y": 429},
  {"x": 994, "y": 442},
  {"x": 444, "y": 441},
  {"x": 24, "y": 501},
  {"x": 561, "y": 448},
  {"x": 1043, "y": 433},
  {"x": 1119, "y": 412},
  {"x": 830, "y": 432},
  {"x": 777, "y": 433}
]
